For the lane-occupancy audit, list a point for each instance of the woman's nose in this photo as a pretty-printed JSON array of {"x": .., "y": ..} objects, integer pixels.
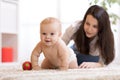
[{"x": 90, "y": 29}]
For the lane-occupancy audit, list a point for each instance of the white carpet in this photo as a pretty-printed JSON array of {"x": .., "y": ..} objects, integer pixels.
[{"x": 15, "y": 72}]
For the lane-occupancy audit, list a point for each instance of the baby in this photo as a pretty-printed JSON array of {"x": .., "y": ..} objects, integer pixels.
[{"x": 57, "y": 54}]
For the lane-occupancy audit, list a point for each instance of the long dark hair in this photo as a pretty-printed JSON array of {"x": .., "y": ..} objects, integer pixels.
[{"x": 105, "y": 40}]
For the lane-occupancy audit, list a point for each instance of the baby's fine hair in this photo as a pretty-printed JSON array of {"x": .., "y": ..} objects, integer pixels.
[{"x": 49, "y": 20}]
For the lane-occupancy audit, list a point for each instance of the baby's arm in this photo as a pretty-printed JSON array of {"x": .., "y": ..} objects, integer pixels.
[
  {"x": 35, "y": 56},
  {"x": 64, "y": 56}
]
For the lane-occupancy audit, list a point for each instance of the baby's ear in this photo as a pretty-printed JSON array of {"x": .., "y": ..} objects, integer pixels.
[{"x": 60, "y": 34}]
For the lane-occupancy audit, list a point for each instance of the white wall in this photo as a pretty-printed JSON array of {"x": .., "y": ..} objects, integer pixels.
[
  {"x": 31, "y": 12},
  {"x": 116, "y": 9}
]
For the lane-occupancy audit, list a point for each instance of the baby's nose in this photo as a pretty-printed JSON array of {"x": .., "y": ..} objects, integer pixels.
[{"x": 47, "y": 36}]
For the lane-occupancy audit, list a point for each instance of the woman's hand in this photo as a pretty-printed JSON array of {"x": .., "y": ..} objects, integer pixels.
[{"x": 90, "y": 65}]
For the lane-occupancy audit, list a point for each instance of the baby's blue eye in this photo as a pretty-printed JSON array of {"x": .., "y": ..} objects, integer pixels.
[
  {"x": 44, "y": 33},
  {"x": 52, "y": 33}
]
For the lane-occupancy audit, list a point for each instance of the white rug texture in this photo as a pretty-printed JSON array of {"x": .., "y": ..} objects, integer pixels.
[{"x": 15, "y": 72}]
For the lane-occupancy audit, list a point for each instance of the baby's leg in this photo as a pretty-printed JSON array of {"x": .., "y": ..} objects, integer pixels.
[
  {"x": 73, "y": 64},
  {"x": 46, "y": 64},
  {"x": 72, "y": 60}
]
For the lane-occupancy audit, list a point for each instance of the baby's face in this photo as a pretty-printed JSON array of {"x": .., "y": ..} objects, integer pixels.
[{"x": 49, "y": 33}]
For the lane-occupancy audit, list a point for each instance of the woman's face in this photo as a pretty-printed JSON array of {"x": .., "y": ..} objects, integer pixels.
[{"x": 91, "y": 26}]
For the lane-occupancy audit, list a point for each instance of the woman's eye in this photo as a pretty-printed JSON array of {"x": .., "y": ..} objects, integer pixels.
[
  {"x": 95, "y": 26},
  {"x": 87, "y": 23}
]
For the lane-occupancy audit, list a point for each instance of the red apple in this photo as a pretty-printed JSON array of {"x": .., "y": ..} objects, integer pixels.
[{"x": 27, "y": 65}]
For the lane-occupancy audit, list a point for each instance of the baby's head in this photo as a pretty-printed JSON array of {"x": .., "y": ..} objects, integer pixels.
[
  {"x": 50, "y": 30},
  {"x": 51, "y": 24}
]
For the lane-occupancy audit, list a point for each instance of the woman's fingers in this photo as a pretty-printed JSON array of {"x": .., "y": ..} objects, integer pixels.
[{"x": 89, "y": 65}]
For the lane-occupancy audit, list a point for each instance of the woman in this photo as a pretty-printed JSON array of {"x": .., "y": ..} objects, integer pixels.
[{"x": 93, "y": 38}]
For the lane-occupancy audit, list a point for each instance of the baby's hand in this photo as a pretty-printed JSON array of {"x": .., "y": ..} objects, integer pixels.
[{"x": 36, "y": 68}]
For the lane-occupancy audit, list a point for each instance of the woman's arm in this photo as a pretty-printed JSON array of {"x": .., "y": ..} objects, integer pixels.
[
  {"x": 68, "y": 35},
  {"x": 91, "y": 65},
  {"x": 98, "y": 64}
]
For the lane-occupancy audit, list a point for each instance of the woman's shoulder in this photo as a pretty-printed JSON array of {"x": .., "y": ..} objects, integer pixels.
[
  {"x": 74, "y": 26},
  {"x": 76, "y": 23},
  {"x": 70, "y": 31}
]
